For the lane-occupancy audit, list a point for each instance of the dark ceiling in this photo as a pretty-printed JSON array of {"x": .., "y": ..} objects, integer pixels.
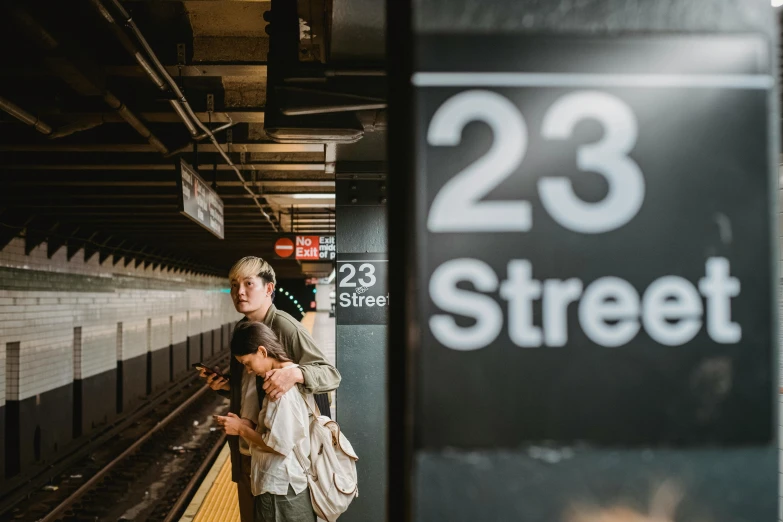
[{"x": 96, "y": 173}]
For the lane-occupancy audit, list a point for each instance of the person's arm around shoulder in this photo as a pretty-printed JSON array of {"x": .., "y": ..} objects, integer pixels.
[
  {"x": 320, "y": 376},
  {"x": 314, "y": 373}
]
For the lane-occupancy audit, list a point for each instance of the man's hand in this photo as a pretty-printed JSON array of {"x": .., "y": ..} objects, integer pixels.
[
  {"x": 215, "y": 381},
  {"x": 277, "y": 382},
  {"x": 233, "y": 425}
]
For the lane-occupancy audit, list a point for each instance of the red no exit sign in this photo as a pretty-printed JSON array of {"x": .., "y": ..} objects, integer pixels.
[{"x": 306, "y": 248}]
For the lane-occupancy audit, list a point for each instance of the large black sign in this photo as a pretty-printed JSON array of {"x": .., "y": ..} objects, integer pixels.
[
  {"x": 362, "y": 293},
  {"x": 596, "y": 246},
  {"x": 198, "y": 201}
]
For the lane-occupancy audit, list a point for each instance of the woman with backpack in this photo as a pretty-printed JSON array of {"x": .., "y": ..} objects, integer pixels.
[{"x": 279, "y": 439}]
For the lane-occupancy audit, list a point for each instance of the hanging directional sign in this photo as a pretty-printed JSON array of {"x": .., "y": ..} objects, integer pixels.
[
  {"x": 596, "y": 240},
  {"x": 198, "y": 201}
]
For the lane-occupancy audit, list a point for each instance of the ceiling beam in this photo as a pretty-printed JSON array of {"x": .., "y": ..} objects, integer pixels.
[
  {"x": 279, "y": 148},
  {"x": 257, "y": 166},
  {"x": 255, "y": 115},
  {"x": 131, "y": 183},
  {"x": 42, "y": 179},
  {"x": 198, "y": 71}
]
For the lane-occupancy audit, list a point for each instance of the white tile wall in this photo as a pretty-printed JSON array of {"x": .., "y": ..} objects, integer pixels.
[
  {"x": 134, "y": 339},
  {"x": 160, "y": 333},
  {"x": 43, "y": 321},
  {"x": 99, "y": 349},
  {"x": 206, "y": 319},
  {"x": 45, "y": 363},
  {"x": 179, "y": 328},
  {"x": 194, "y": 322}
]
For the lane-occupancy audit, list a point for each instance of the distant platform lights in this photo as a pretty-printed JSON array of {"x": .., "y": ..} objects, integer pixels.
[{"x": 291, "y": 297}]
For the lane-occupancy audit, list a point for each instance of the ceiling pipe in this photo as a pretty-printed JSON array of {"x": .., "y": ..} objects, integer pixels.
[
  {"x": 180, "y": 110},
  {"x": 134, "y": 51},
  {"x": 77, "y": 126},
  {"x": 183, "y": 102},
  {"x": 126, "y": 114},
  {"x": 129, "y": 45},
  {"x": 24, "y": 116},
  {"x": 49, "y": 42},
  {"x": 42, "y": 127}
]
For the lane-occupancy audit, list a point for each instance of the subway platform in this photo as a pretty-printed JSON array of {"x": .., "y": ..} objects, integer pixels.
[{"x": 216, "y": 498}]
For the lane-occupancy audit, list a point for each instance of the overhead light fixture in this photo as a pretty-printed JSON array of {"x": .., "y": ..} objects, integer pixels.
[
  {"x": 777, "y": 3},
  {"x": 331, "y": 277},
  {"x": 304, "y": 135},
  {"x": 312, "y": 196}
]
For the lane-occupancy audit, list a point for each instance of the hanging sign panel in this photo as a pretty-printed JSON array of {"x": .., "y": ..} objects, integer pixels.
[
  {"x": 198, "y": 201},
  {"x": 596, "y": 243},
  {"x": 362, "y": 293}
]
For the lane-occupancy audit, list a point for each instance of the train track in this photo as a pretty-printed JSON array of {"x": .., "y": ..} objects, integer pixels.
[{"x": 143, "y": 468}]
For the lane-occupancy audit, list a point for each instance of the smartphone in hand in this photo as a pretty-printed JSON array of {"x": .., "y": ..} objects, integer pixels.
[{"x": 202, "y": 366}]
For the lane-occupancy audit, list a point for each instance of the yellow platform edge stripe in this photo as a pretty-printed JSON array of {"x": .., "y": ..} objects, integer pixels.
[{"x": 216, "y": 498}]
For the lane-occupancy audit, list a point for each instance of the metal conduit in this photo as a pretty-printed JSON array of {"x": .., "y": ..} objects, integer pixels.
[
  {"x": 24, "y": 116},
  {"x": 77, "y": 126},
  {"x": 184, "y": 109},
  {"x": 134, "y": 51},
  {"x": 126, "y": 114},
  {"x": 49, "y": 42},
  {"x": 129, "y": 46},
  {"x": 42, "y": 127}
]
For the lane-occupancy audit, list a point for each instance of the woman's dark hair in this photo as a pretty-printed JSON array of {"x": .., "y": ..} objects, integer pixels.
[{"x": 248, "y": 336}]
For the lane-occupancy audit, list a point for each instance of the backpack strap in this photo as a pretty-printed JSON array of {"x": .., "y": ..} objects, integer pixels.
[
  {"x": 308, "y": 472},
  {"x": 317, "y": 412}
]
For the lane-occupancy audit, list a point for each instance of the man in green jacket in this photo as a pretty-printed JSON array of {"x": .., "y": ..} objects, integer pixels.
[{"x": 252, "y": 289}]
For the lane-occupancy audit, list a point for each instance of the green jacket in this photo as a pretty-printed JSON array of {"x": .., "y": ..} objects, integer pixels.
[{"x": 319, "y": 375}]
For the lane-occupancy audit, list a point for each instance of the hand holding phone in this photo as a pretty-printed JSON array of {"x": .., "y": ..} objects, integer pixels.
[
  {"x": 215, "y": 379},
  {"x": 206, "y": 369}
]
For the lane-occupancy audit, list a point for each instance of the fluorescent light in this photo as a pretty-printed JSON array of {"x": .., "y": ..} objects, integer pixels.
[
  {"x": 312, "y": 196},
  {"x": 331, "y": 277},
  {"x": 777, "y": 3}
]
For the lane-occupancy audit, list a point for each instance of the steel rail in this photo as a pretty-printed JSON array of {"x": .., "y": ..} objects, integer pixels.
[
  {"x": 195, "y": 480},
  {"x": 95, "y": 479}
]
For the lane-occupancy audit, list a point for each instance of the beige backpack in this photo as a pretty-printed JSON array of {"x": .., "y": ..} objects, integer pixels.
[{"x": 332, "y": 471}]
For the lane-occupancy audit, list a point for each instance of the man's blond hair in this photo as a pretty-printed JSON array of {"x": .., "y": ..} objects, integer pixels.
[{"x": 252, "y": 266}]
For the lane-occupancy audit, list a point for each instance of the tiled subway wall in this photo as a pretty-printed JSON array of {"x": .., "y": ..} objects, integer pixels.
[{"x": 73, "y": 319}]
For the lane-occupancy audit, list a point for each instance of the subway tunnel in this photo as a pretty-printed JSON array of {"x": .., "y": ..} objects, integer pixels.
[{"x": 110, "y": 288}]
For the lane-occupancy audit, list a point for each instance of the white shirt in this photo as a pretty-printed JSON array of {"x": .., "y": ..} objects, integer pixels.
[
  {"x": 249, "y": 407},
  {"x": 283, "y": 424}
]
